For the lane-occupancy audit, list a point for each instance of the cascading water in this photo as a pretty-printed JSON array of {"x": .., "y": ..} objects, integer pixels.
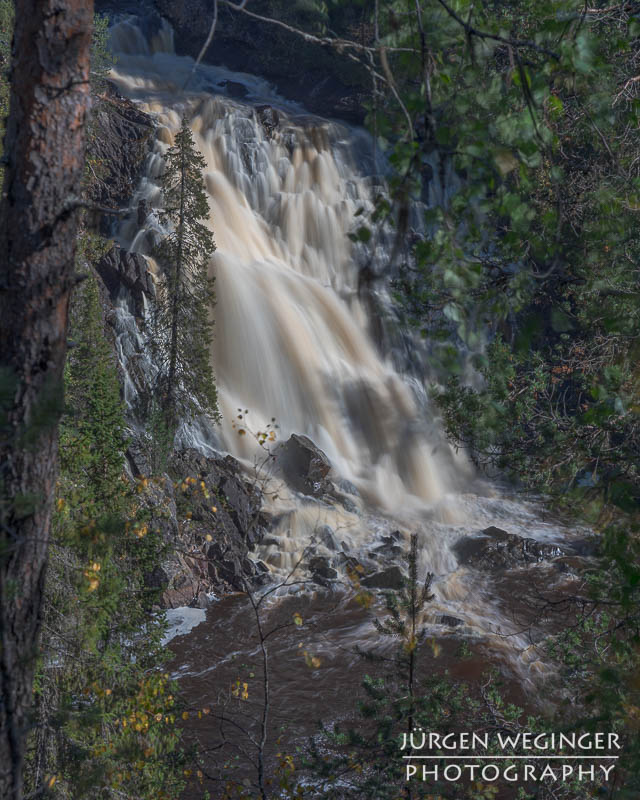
[{"x": 292, "y": 340}]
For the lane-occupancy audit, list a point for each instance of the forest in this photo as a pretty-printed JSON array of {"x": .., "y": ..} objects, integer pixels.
[{"x": 320, "y": 399}]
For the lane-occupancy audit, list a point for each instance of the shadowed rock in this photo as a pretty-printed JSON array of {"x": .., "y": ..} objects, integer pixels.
[
  {"x": 496, "y": 549},
  {"x": 120, "y": 268},
  {"x": 304, "y": 465},
  {"x": 390, "y": 578}
]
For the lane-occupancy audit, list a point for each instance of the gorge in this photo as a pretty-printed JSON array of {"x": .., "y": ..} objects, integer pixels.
[{"x": 299, "y": 355}]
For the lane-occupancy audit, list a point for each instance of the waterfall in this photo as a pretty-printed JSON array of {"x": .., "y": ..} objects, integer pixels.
[
  {"x": 292, "y": 339},
  {"x": 292, "y": 336}
]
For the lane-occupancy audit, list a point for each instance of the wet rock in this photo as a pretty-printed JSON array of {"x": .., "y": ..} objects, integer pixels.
[
  {"x": 349, "y": 505},
  {"x": 326, "y": 574},
  {"x": 269, "y": 118},
  {"x": 496, "y": 549},
  {"x": 390, "y": 578},
  {"x": 304, "y": 465},
  {"x": 347, "y": 487},
  {"x": 326, "y": 537},
  {"x": 118, "y": 268},
  {"x": 318, "y": 562},
  {"x": 142, "y": 212},
  {"x": 348, "y": 563},
  {"x": 236, "y": 89},
  {"x": 388, "y": 551},
  {"x": 124, "y": 139},
  {"x": 202, "y": 600},
  {"x": 321, "y": 570},
  {"x": 450, "y": 622}
]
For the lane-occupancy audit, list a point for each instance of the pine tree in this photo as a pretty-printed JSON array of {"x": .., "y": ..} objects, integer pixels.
[
  {"x": 181, "y": 327},
  {"x": 93, "y": 440}
]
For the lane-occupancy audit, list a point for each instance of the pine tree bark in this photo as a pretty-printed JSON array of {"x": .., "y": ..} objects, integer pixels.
[{"x": 44, "y": 149}]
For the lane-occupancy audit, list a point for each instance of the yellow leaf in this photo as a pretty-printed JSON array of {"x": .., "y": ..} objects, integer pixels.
[
  {"x": 297, "y": 619},
  {"x": 185, "y": 715},
  {"x": 209, "y": 537},
  {"x": 506, "y": 161},
  {"x": 411, "y": 644}
]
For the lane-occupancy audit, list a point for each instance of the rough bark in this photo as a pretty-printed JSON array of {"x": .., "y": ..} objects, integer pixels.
[{"x": 44, "y": 147}]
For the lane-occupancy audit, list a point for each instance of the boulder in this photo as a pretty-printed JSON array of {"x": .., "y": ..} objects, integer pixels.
[
  {"x": 119, "y": 268},
  {"x": 450, "y": 622},
  {"x": 326, "y": 537},
  {"x": 390, "y": 578},
  {"x": 269, "y": 118},
  {"x": 304, "y": 465},
  {"x": 235, "y": 89},
  {"x": 387, "y": 551},
  {"x": 496, "y": 549}
]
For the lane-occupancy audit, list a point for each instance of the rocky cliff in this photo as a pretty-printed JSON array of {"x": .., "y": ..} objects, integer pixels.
[{"x": 328, "y": 83}]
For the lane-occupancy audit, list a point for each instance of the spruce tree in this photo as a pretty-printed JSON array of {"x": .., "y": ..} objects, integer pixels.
[
  {"x": 101, "y": 657},
  {"x": 93, "y": 438},
  {"x": 181, "y": 330}
]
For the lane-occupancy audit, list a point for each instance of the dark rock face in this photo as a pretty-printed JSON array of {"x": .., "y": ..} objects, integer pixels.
[
  {"x": 305, "y": 466},
  {"x": 209, "y": 518},
  {"x": 237, "y": 502},
  {"x": 497, "y": 550},
  {"x": 325, "y": 81},
  {"x": 235, "y": 89},
  {"x": 119, "y": 268},
  {"x": 123, "y": 141},
  {"x": 390, "y": 578}
]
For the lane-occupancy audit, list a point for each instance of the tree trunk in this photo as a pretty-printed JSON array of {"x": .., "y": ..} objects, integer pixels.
[{"x": 44, "y": 147}]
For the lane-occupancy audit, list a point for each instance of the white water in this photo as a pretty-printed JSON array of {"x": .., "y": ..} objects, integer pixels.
[{"x": 292, "y": 340}]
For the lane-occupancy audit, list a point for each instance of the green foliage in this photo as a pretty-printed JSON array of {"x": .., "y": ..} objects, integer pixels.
[
  {"x": 92, "y": 436},
  {"x": 101, "y": 56},
  {"x": 181, "y": 328},
  {"x": 515, "y": 130},
  {"x": 532, "y": 246},
  {"x": 105, "y": 707}
]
